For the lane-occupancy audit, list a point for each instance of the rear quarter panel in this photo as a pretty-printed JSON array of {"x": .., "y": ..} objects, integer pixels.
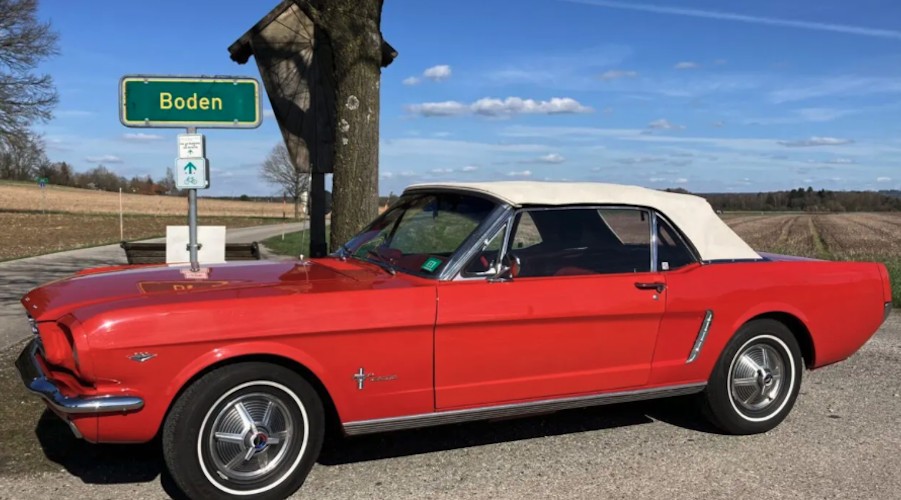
[{"x": 840, "y": 303}]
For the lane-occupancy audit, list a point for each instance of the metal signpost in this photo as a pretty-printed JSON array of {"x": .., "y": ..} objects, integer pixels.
[
  {"x": 42, "y": 183},
  {"x": 190, "y": 102}
]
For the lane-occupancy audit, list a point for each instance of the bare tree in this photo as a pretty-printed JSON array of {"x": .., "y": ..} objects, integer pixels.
[
  {"x": 25, "y": 97},
  {"x": 22, "y": 157},
  {"x": 278, "y": 169},
  {"x": 353, "y": 31}
]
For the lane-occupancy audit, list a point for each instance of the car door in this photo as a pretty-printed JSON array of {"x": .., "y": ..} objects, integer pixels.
[{"x": 581, "y": 314}]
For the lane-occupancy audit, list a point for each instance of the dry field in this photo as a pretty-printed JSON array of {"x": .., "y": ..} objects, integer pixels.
[
  {"x": 28, "y": 197},
  {"x": 27, "y": 234},
  {"x": 847, "y": 236}
]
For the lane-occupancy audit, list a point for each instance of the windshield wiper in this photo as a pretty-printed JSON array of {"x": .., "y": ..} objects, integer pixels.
[{"x": 381, "y": 262}]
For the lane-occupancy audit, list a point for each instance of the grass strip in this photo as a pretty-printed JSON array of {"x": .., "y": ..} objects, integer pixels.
[{"x": 293, "y": 244}]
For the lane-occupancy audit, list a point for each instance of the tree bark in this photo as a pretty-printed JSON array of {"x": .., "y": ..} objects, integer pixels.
[{"x": 352, "y": 28}]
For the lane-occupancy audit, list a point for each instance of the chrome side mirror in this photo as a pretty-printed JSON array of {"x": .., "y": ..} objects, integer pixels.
[{"x": 507, "y": 269}]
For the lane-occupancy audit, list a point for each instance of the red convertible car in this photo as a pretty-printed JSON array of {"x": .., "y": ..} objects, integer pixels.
[{"x": 461, "y": 302}]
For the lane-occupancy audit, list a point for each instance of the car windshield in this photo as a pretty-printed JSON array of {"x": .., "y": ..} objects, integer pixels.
[{"x": 420, "y": 233}]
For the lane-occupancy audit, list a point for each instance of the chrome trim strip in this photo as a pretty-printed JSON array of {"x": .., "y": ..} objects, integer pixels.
[
  {"x": 474, "y": 244},
  {"x": 654, "y": 250},
  {"x": 680, "y": 235},
  {"x": 515, "y": 410},
  {"x": 37, "y": 382},
  {"x": 702, "y": 336}
]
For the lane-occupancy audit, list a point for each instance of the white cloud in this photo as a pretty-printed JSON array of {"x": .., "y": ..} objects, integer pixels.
[
  {"x": 438, "y": 73},
  {"x": 822, "y": 114},
  {"x": 469, "y": 168},
  {"x": 442, "y": 171},
  {"x": 804, "y": 115},
  {"x": 493, "y": 107},
  {"x": 57, "y": 144},
  {"x": 816, "y": 141},
  {"x": 841, "y": 161},
  {"x": 639, "y": 160},
  {"x": 883, "y": 179},
  {"x": 616, "y": 74},
  {"x": 268, "y": 113},
  {"x": 681, "y": 180},
  {"x": 686, "y": 65},
  {"x": 521, "y": 173},
  {"x": 664, "y": 124},
  {"x": 572, "y": 69},
  {"x": 719, "y": 124},
  {"x": 103, "y": 159},
  {"x": 141, "y": 137},
  {"x": 488, "y": 106},
  {"x": 552, "y": 158},
  {"x": 729, "y": 16},
  {"x": 811, "y": 88},
  {"x": 446, "y": 108}
]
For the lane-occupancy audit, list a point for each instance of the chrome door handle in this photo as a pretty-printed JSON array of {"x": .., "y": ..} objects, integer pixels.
[{"x": 660, "y": 287}]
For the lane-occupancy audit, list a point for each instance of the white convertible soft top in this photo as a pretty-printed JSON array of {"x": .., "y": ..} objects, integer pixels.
[{"x": 713, "y": 239}]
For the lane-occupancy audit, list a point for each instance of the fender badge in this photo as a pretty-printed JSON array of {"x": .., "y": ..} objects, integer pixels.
[
  {"x": 362, "y": 377},
  {"x": 141, "y": 357}
]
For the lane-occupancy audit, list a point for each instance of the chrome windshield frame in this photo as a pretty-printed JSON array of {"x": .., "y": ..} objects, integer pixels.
[{"x": 463, "y": 253}]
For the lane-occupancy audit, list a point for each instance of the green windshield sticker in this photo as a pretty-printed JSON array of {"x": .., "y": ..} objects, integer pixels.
[{"x": 431, "y": 264}]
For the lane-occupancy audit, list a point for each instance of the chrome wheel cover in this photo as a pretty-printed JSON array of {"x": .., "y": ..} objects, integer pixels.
[
  {"x": 757, "y": 376},
  {"x": 250, "y": 436}
]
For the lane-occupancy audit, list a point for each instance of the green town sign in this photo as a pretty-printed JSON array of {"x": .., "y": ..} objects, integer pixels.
[{"x": 181, "y": 102}]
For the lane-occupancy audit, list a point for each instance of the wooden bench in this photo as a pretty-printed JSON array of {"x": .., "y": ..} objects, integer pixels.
[{"x": 155, "y": 253}]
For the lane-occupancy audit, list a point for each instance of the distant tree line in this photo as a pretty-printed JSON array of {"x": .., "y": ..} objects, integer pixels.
[
  {"x": 23, "y": 159},
  {"x": 807, "y": 200}
]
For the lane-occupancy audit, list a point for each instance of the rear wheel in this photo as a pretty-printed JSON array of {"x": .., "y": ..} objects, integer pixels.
[
  {"x": 756, "y": 380},
  {"x": 246, "y": 430}
]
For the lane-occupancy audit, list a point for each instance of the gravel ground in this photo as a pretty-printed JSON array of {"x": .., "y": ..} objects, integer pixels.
[{"x": 841, "y": 441}]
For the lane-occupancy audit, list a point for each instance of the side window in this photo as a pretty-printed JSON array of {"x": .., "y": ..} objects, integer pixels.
[
  {"x": 631, "y": 226},
  {"x": 485, "y": 259},
  {"x": 672, "y": 253},
  {"x": 580, "y": 241}
]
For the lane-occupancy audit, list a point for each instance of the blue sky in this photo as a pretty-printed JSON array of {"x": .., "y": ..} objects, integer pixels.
[{"x": 709, "y": 95}]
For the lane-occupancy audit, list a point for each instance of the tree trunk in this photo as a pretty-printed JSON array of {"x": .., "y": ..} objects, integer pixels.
[{"x": 353, "y": 29}]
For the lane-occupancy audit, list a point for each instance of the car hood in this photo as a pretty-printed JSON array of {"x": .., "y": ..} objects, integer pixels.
[{"x": 105, "y": 288}]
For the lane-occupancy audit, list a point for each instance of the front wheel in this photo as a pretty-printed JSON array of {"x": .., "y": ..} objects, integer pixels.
[
  {"x": 246, "y": 430},
  {"x": 756, "y": 380}
]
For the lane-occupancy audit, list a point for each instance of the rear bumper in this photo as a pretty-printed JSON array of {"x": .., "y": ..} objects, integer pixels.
[{"x": 36, "y": 381}]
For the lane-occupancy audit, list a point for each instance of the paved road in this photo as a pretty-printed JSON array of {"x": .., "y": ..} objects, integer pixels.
[{"x": 19, "y": 276}]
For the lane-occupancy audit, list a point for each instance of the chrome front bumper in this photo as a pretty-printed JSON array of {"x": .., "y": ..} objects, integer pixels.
[{"x": 37, "y": 382}]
